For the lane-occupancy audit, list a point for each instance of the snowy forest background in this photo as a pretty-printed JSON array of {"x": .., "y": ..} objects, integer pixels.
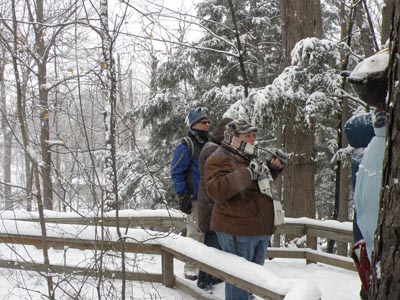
[{"x": 94, "y": 95}]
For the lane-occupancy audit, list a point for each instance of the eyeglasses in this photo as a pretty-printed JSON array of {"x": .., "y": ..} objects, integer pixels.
[{"x": 205, "y": 122}]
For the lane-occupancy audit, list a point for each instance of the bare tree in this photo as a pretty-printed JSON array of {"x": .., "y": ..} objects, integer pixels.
[
  {"x": 110, "y": 116},
  {"x": 12, "y": 41},
  {"x": 45, "y": 39},
  {"x": 239, "y": 48},
  {"x": 7, "y": 136}
]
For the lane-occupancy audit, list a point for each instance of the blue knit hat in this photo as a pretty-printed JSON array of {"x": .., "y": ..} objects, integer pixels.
[{"x": 196, "y": 115}]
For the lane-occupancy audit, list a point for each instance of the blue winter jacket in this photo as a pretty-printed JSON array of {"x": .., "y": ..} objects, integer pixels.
[
  {"x": 185, "y": 170},
  {"x": 359, "y": 132},
  {"x": 368, "y": 187}
]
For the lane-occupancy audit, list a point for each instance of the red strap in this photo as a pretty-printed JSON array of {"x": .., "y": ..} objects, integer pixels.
[{"x": 362, "y": 263}]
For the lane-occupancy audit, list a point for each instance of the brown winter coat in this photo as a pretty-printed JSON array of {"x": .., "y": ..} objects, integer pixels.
[
  {"x": 240, "y": 208},
  {"x": 205, "y": 204}
]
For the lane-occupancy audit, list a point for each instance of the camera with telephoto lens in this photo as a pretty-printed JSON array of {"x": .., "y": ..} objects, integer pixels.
[
  {"x": 268, "y": 154},
  {"x": 281, "y": 155}
]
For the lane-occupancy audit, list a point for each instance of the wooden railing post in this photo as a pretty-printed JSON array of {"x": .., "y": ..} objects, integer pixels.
[
  {"x": 311, "y": 243},
  {"x": 168, "y": 277}
]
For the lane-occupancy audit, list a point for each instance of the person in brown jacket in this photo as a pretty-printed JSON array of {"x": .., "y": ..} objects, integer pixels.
[
  {"x": 205, "y": 204},
  {"x": 243, "y": 216}
]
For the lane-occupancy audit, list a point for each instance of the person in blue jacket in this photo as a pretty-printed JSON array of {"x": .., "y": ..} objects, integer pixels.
[
  {"x": 359, "y": 132},
  {"x": 185, "y": 175},
  {"x": 369, "y": 78}
]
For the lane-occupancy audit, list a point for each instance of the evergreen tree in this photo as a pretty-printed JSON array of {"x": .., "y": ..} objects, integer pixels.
[
  {"x": 313, "y": 86},
  {"x": 260, "y": 36},
  {"x": 191, "y": 75}
]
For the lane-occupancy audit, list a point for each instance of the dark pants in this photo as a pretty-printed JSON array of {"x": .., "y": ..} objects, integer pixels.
[
  {"x": 205, "y": 280},
  {"x": 357, "y": 235}
]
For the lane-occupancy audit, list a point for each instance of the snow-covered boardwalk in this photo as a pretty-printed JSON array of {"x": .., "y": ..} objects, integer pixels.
[
  {"x": 334, "y": 283},
  {"x": 174, "y": 249}
]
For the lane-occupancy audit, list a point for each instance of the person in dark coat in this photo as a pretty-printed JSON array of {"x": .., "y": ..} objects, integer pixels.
[
  {"x": 185, "y": 174},
  {"x": 205, "y": 204}
]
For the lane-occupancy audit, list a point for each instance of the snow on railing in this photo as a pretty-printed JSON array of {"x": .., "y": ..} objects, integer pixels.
[{"x": 229, "y": 267}]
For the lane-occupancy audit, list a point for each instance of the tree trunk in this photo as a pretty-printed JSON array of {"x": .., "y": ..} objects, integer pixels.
[
  {"x": 386, "y": 256},
  {"x": 279, "y": 180},
  {"x": 240, "y": 50},
  {"x": 254, "y": 42},
  {"x": 41, "y": 61},
  {"x": 123, "y": 130},
  {"x": 365, "y": 32},
  {"x": 131, "y": 121},
  {"x": 20, "y": 91},
  {"x": 110, "y": 124},
  {"x": 7, "y": 141},
  {"x": 387, "y": 10},
  {"x": 299, "y": 186},
  {"x": 46, "y": 257},
  {"x": 343, "y": 209},
  {"x": 300, "y": 19}
]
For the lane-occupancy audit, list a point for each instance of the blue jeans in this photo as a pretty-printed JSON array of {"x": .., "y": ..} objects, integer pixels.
[{"x": 252, "y": 248}]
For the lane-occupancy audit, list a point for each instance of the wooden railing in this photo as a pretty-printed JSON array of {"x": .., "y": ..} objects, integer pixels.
[
  {"x": 333, "y": 230},
  {"x": 160, "y": 219},
  {"x": 300, "y": 227},
  {"x": 257, "y": 279}
]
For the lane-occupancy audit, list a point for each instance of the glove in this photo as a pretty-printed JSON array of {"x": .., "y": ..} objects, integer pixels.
[
  {"x": 281, "y": 155},
  {"x": 185, "y": 204},
  {"x": 255, "y": 168}
]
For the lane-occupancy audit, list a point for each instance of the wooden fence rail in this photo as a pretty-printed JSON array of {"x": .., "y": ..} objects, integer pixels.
[
  {"x": 299, "y": 227},
  {"x": 162, "y": 222},
  {"x": 333, "y": 230},
  {"x": 330, "y": 230},
  {"x": 160, "y": 247}
]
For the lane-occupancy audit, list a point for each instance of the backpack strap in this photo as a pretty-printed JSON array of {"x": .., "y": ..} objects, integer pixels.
[
  {"x": 188, "y": 141},
  {"x": 188, "y": 173}
]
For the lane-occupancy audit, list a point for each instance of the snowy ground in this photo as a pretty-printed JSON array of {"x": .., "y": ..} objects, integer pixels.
[{"x": 335, "y": 283}]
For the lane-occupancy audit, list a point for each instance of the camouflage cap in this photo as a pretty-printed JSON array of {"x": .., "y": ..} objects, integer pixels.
[{"x": 240, "y": 126}]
